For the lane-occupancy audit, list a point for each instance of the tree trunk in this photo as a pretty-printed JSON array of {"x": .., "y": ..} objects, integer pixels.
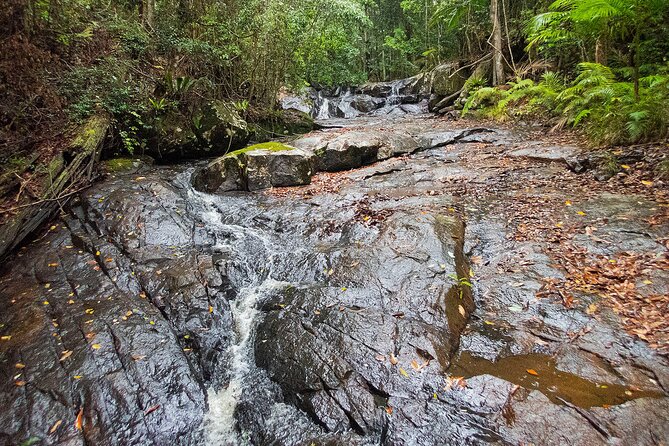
[
  {"x": 636, "y": 44},
  {"x": 497, "y": 56},
  {"x": 146, "y": 12},
  {"x": 601, "y": 51},
  {"x": 63, "y": 179}
]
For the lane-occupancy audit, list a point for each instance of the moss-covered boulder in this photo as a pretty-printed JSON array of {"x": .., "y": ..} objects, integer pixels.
[
  {"x": 126, "y": 165},
  {"x": 213, "y": 129},
  {"x": 221, "y": 127},
  {"x": 447, "y": 79},
  {"x": 224, "y": 174},
  {"x": 277, "y": 165},
  {"x": 256, "y": 167}
]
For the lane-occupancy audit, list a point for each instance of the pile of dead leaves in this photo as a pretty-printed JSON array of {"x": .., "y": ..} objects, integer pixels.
[
  {"x": 369, "y": 216},
  {"x": 621, "y": 283}
]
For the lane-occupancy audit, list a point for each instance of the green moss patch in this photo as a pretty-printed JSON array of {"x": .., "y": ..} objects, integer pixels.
[
  {"x": 120, "y": 164},
  {"x": 271, "y": 146}
]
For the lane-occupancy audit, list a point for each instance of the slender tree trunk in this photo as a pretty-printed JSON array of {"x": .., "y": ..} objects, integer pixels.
[
  {"x": 497, "y": 56},
  {"x": 601, "y": 51},
  {"x": 635, "y": 61},
  {"x": 383, "y": 64},
  {"x": 146, "y": 12}
]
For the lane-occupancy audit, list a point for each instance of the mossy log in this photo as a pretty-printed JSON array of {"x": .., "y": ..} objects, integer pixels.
[{"x": 67, "y": 172}]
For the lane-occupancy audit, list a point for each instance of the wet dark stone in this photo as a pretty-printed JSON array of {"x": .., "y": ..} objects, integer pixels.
[
  {"x": 265, "y": 168},
  {"x": 117, "y": 314},
  {"x": 333, "y": 359},
  {"x": 221, "y": 175},
  {"x": 348, "y": 151},
  {"x": 340, "y": 318},
  {"x": 366, "y": 103}
]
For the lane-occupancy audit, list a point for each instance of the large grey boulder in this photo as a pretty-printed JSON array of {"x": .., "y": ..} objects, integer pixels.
[
  {"x": 257, "y": 167},
  {"x": 348, "y": 151},
  {"x": 268, "y": 168},
  {"x": 365, "y": 103},
  {"x": 294, "y": 102},
  {"x": 396, "y": 144},
  {"x": 376, "y": 89},
  {"x": 446, "y": 79},
  {"x": 224, "y": 174}
]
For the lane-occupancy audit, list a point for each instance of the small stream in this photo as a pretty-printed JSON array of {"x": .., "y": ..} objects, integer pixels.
[
  {"x": 396, "y": 98},
  {"x": 349, "y": 312},
  {"x": 268, "y": 245}
]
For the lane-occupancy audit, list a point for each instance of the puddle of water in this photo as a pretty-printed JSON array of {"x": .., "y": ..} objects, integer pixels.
[{"x": 555, "y": 384}]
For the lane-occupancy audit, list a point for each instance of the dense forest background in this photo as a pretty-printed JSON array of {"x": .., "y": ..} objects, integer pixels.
[{"x": 600, "y": 62}]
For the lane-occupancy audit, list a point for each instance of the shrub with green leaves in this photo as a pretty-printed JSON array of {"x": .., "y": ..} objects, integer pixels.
[
  {"x": 597, "y": 102},
  {"x": 523, "y": 97},
  {"x": 608, "y": 111}
]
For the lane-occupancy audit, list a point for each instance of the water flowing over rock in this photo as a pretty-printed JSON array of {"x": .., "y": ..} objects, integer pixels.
[
  {"x": 401, "y": 97},
  {"x": 412, "y": 95},
  {"x": 388, "y": 305}
]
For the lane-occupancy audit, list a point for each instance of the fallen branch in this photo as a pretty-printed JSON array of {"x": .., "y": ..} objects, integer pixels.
[
  {"x": 470, "y": 65},
  {"x": 45, "y": 200},
  {"x": 62, "y": 177}
]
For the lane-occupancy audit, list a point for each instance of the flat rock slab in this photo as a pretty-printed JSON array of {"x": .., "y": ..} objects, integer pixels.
[
  {"x": 339, "y": 317},
  {"x": 546, "y": 153}
]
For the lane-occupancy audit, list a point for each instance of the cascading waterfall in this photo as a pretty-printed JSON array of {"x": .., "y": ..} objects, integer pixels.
[
  {"x": 346, "y": 102},
  {"x": 345, "y": 105},
  {"x": 256, "y": 285},
  {"x": 221, "y": 423},
  {"x": 322, "y": 106},
  {"x": 394, "y": 98}
]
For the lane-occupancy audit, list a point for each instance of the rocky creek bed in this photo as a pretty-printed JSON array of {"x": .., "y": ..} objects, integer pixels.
[{"x": 419, "y": 300}]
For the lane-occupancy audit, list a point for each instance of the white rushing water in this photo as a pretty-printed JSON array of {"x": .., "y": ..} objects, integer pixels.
[
  {"x": 220, "y": 423},
  {"x": 324, "y": 107},
  {"x": 394, "y": 98}
]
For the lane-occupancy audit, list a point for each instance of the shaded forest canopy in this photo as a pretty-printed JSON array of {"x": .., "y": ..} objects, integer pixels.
[{"x": 155, "y": 65}]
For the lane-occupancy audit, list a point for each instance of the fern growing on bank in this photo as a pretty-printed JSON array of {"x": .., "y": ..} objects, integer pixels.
[
  {"x": 522, "y": 97},
  {"x": 597, "y": 102}
]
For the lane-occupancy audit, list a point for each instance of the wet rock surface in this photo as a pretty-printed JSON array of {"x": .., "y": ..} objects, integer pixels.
[
  {"x": 398, "y": 305},
  {"x": 320, "y": 151},
  {"x": 265, "y": 168}
]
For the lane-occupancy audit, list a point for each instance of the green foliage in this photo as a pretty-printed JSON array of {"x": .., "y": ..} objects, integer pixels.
[
  {"x": 102, "y": 87},
  {"x": 178, "y": 86},
  {"x": 159, "y": 67},
  {"x": 134, "y": 39},
  {"x": 594, "y": 27},
  {"x": 523, "y": 97},
  {"x": 608, "y": 110},
  {"x": 597, "y": 102},
  {"x": 159, "y": 105}
]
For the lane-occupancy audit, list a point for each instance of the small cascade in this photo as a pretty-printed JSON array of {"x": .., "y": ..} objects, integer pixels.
[
  {"x": 345, "y": 105},
  {"x": 394, "y": 98},
  {"x": 375, "y": 99},
  {"x": 255, "y": 283},
  {"x": 222, "y": 428},
  {"x": 322, "y": 106}
]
